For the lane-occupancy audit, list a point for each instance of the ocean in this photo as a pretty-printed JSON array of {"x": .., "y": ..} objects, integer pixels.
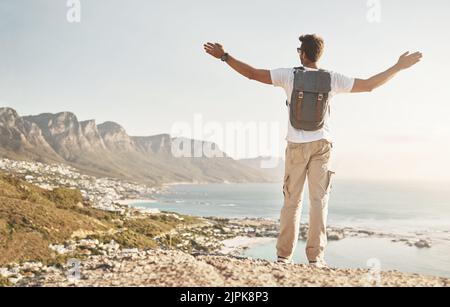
[{"x": 404, "y": 209}]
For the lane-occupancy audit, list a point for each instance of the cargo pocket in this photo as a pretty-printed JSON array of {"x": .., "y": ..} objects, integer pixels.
[
  {"x": 295, "y": 154},
  {"x": 330, "y": 181}
]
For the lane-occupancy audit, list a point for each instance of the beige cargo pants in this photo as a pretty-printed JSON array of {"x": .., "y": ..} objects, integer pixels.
[{"x": 312, "y": 161}]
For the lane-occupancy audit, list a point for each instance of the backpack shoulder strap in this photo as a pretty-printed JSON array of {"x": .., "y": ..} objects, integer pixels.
[
  {"x": 324, "y": 81},
  {"x": 299, "y": 79},
  {"x": 299, "y": 84}
]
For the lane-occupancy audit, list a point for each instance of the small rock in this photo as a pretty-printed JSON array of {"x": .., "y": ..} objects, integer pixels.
[
  {"x": 15, "y": 280},
  {"x": 423, "y": 244},
  {"x": 28, "y": 274},
  {"x": 5, "y": 273},
  {"x": 89, "y": 243},
  {"x": 32, "y": 266},
  {"x": 336, "y": 236},
  {"x": 130, "y": 251},
  {"x": 366, "y": 232},
  {"x": 85, "y": 252},
  {"x": 61, "y": 249}
]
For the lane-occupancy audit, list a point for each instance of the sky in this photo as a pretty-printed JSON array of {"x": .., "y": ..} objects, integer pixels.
[{"x": 141, "y": 63}]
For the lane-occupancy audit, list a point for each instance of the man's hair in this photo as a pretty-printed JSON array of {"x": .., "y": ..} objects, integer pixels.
[{"x": 313, "y": 46}]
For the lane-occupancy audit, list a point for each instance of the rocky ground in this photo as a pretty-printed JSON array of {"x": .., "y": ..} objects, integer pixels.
[{"x": 178, "y": 269}]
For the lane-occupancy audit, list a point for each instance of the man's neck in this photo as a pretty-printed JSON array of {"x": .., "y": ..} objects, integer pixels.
[{"x": 311, "y": 65}]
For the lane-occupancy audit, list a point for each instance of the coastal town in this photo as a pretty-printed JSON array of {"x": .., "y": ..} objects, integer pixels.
[{"x": 104, "y": 193}]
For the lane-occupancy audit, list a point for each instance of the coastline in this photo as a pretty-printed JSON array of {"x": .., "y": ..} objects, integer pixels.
[
  {"x": 237, "y": 245},
  {"x": 248, "y": 229},
  {"x": 132, "y": 202},
  {"x": 183, "y": 183}
]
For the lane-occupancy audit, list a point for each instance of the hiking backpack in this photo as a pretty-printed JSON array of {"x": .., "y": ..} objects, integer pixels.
[{"x": 310, "y": 99}]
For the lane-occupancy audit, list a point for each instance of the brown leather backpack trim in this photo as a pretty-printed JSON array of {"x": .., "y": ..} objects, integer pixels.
[{"x": 298, "y": 110}]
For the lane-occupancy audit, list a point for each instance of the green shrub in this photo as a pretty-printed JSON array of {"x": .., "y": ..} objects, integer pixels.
[{"x": 65, "y": 198}]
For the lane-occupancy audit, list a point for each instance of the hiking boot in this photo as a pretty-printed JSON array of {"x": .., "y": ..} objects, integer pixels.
[
  {"x": 318, "y": 264},
  {"x": 284, "y": 261}
]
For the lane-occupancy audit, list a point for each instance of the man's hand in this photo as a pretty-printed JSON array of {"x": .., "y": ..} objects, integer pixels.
[
  {"x": 261, "y": 75},
  {"x": 407, "y": 60},
  {"x": 216, "y": 50}
]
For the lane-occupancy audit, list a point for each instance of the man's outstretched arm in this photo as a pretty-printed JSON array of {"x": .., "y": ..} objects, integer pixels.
[
  {"x": 367, "y": 85},
  {"x": 261, "y": 75}
]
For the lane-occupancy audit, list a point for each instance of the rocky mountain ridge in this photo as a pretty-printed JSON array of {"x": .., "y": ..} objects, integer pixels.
[{"x": 107, "y": 150}]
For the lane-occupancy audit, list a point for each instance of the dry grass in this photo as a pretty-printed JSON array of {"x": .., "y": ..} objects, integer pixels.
[
  {"x": 27, "y": 229},
  {"x": 32, "y": 218}
]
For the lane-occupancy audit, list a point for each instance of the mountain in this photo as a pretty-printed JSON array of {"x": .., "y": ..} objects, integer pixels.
[
  {"x": 78, "y": 144},
  {"x": 158, "y": 144},
  {"x": 63, "y": 133},
  {"x": 195, "y": 157},
  {"x": 21, "y": 139},
  {"x": 92, "y": 134},
  {"x": 116, "y": 138},
  {"x": 107, "y": 150}
]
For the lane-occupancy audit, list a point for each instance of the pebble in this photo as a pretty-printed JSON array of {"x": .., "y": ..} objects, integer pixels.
[{"x": 423, "y": 244}]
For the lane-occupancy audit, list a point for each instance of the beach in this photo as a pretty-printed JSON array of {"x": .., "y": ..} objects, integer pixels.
[
  {"x": 239, "y": 244},
  {"x": 136, "y": 202}
]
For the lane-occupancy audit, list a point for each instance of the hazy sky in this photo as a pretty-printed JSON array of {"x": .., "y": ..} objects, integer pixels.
[{"x": 141, "y": 63}]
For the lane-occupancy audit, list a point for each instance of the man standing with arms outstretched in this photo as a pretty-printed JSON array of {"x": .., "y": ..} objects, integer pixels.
[{"x": 309, "y": 91}]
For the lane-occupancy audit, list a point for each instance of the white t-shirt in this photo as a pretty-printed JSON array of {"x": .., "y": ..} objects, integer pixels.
[{"x": 284, "y": 78}]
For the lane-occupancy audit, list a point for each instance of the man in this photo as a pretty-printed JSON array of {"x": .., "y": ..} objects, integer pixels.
[{"x": 308, "y": 152}]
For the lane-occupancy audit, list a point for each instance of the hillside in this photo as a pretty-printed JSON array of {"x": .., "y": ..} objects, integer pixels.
[
  {"x": 106, "y": 150},
  {"x": 272, "y": 168},
  {"x": 31, "y": 219}
]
